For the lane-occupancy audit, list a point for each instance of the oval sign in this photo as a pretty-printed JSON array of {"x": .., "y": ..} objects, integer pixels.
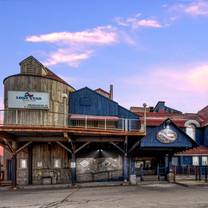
[{"x": 166, "y": 136}]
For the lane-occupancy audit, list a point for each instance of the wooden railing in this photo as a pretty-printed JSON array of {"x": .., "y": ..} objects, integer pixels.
[{"x": 44, "y": 118}]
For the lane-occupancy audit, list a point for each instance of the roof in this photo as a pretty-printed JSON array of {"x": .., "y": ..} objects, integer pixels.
[
  {"x": 100, "y": 89},
  {"x": 49, "y": 73},
  {"x": 92, "y": 117},
  {"x": 182, "y": 140},
  {"x": 155, "y": 118},
  {"x": 200, "y": 150}
]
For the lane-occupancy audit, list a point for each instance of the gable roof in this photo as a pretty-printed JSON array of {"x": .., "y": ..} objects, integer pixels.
[
  {"x": 121, "y": 110},
  {"x": 49, "y": 73},
  {"x": 182, "y": 142}
]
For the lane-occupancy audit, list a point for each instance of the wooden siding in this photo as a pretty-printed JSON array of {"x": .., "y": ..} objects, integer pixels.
[
  {"x": 58, "y": 104},
  {"x": 47, "y": 153}
]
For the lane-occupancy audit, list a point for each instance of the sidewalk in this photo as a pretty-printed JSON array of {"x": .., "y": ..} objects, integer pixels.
[{"x": 64, "y": 186}]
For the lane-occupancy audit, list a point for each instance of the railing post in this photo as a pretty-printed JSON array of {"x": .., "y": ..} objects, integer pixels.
[
  {"x": 16, "y": 116},
  {"x": 85, "y": 122},
  {"x": 105, "y": 124},
  {"x": 129, "y": 124}
]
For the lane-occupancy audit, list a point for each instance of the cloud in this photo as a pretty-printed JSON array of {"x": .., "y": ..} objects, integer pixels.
[
  {"x": 195, "y": 8},
  {"x": 100, "y": 35},
  {"x": 67, "y": 57},
  {"x": 75, "y": 47},
  {"x": 137, "y": 22},
  {"x": 182, "y": 89}
]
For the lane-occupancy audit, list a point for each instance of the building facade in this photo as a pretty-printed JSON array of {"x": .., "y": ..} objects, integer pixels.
[{"x": 53, "y": 133}]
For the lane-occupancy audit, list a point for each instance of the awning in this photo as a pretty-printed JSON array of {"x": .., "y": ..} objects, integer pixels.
[{"x": 92, "y": 117}]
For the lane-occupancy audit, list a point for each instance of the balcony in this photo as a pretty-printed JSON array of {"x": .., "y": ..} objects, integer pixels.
[{"x": 36, "y": 119}]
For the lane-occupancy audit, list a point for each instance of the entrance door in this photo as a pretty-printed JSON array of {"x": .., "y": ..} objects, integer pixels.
[
  {"x": 150, "y": 168},
  {"x": 9, "y": 170}
]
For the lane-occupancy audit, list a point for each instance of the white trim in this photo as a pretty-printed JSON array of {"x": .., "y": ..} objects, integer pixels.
[{"x": 189, "y": 122}]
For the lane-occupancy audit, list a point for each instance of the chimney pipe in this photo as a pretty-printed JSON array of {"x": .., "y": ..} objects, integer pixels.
[{"x": 111, "y": 92}]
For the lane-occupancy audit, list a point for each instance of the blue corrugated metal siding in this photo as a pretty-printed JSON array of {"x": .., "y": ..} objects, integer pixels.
[
  {"x": 186, "y": 160},
  {"x": 88, "y": 102},
  {"x": 183, "y": 140},
  {"x": 206, "y": 136},
  {"x": 199, "y": 136},
  {"x": 124, "y": 113}
]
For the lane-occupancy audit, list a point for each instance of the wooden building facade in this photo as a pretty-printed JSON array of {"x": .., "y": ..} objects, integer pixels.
[{"x": 52, "y": 133}]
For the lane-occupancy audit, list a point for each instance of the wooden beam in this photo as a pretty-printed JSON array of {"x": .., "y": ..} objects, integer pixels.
[
  {"x": 40, "y": 139},
  {"x": 77, "y": 150},
  {"x": 9, "y": 145},
  {"x": 118, "y": 147},
  {"x": 21, "y": 148},
  {"x": 134, "y": 146},
  {"x": 71, "y": 130},
  {"x": 65, "y": 147}
]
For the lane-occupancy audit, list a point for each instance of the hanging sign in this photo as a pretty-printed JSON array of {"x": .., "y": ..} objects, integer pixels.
[
  {"x": 166, "y": 135},
  {"x": 28, "y": 100}
]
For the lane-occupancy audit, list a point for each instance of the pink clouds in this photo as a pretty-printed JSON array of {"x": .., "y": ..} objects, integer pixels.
[
  {"x": 136, "y": 22},
  {"x": 100, "y": 35},
  {"x": 76, "y": 47},
  {"x": 183, "y": 89},
  {"x": 67, "y": 57},
  {"x": 195, "y": 8}
]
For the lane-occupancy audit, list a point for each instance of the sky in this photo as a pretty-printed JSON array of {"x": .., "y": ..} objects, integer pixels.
[{"x": 150, "y": 50}]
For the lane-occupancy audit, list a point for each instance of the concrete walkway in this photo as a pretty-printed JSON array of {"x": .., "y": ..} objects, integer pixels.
[{"x": 187, "y": 183}]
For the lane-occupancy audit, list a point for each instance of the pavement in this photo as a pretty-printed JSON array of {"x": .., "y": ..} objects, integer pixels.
[{"x": 145, "y": 195}]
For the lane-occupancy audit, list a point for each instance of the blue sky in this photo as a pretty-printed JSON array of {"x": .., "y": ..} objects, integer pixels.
[{"x": 150, "y": 50}]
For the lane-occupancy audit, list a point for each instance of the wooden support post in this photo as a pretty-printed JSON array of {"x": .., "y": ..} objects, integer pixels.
[
  {"x": 73, "y": 165},
  {"x": 73, "y": 169},
  {"x": 14, "y": 171},
  {"x": 158, "y": 171},
  {"x": 125, "y": 160},
  {"x": 14, "y": 166},
  {"x": 30, "y": 164}
]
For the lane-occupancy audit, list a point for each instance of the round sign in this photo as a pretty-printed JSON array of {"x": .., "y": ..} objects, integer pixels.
[{"x": 166, "y": 136}]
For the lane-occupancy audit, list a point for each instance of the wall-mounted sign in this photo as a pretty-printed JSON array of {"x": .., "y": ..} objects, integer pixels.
[
  {"x": 84, "y": 163},
  {"x": 166, "y": 135},
  {"x": 73, "y": 165},
  {"x": 29, "y": 100}
]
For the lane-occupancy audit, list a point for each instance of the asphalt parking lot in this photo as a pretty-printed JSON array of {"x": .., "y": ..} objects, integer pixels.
[{"x": 155, "y": 195}]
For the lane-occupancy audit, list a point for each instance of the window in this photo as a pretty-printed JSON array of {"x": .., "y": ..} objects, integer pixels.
[
  {"x": 204, "y": 160},
  {"x": 191, "y": 131},
  {"x": 57, "y": 163},
  {"x": 195, "y": 161},
  {"x": 175, "y": 161},
  {"x": 39, "y": 164},
  {"x": 23, "y": 163}
]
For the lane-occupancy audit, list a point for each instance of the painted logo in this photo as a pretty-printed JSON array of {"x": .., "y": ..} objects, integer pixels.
[
  {"x": 166, "y": 135},
  {"x": 28, "y": 96}
]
